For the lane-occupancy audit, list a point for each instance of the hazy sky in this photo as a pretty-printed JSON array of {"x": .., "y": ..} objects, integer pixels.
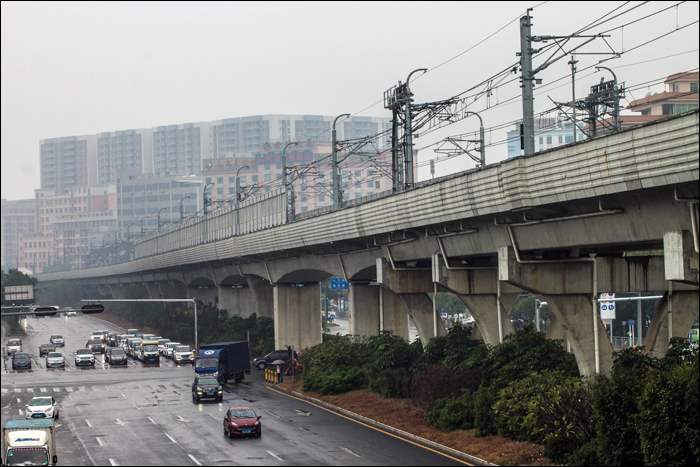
[{"x": 82, "y": 68}]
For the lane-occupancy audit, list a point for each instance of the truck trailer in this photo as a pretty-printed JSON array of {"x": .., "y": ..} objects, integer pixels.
[
  {"x": 29, "y": 442},
  {"x": 224, "y": 361}
]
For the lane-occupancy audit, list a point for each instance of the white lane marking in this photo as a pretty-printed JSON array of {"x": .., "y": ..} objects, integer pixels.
[
  {"x": 69, "y": 389},
  {"x": 4, "y": 390},
  {"x": 170, "y": 437},
  {"x": 19, "y": 400},
  {"x": 42, "y": 389},
  {"x": 56, "y": 389},
  {"x": 123, "y": 395},
  {"x": 99, "y": 441},
  {"x": 17, "y": 390},
  {"x": 273, "y": 414},
  {"x": 213, "y": 416},
  {"x": 95, "y": 388},
  {"x": 349, "y": 451},
  {"x": 81, "y": 388},
  {"x": 120, "y": 422},
  {"x": 79, "y": 409},
  {"x": 88, "y": 423},
  {"x": 184, "y": 420},
  {"x": 30, "y": 389},
  {"x": 139, "y": 408},
  {"x": 274, "y": 455},
  {"x": 113, "y": 462},
  {"x": 152, "y": 421},
  {"x": 20, "y": 412},
  {"x": 193, "y": 459}
]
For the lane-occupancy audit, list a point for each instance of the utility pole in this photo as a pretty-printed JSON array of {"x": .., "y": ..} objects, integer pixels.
[
  {"x": 337, "y": 194},
  {"x": 527, "y": 83},
  {"x": 238, "y": 196},
  {"x": 573, "y": 63},
  {"x": 408, "y": 133},
  {"x": 204, "y": 194},
  {"x": 284, "y": 181}
]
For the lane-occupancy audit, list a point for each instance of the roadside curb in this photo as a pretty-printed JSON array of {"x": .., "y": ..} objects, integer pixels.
[{"x": 439, "y": 447}]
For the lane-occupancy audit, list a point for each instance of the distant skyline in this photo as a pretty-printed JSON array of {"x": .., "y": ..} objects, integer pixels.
[{"x": 83, "y": 68}]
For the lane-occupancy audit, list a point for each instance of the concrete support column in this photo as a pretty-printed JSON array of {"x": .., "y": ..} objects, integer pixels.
[
  {"x": 117, "y": 291},
  {"x": 683, "y": 310},
  {"x": 420, "y": 308},
  {"x": 574, "y": 315},
  {"x": 153, "y": 290},
  {"x": 262, "y": 296},
  {"x": 363, "y": 301},
  {"x": 104, "y": 290},
  {"x": 556, "y": 331},
  {"x": 484, "y": 310},
  {"x": 297, "y": 316},
  {"x": 393, "y": 314},
  {"x": 208, "y": 295},
  {"x": 237, "y": 301}
]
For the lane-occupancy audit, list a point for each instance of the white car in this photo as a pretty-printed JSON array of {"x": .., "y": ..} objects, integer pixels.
[
  {"x": 183, "y": 354},
  {"x": 42, "y": 407},
  {"x": 169, "y": 348},
  {"x": 58, "y": 340},
  {"x": 55, "y": 359},
  {"x": 71, "y": 313},
  {"x": 84, "y": 357}
]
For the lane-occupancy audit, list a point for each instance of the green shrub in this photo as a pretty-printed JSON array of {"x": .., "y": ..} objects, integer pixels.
[
  {"x": 438, "y": 382},
  {"x": 331, "y": 355},
  {"x": 335, "y": 382},
  {"x": 455, "y": 350},
  {"x": 484, "y": 416},
  {"x": 453, "y": 414},
  {"x": 525, "y": 352},
  {"x": 393, "y": 382},
  {"x": 668, "y": 422},
  {"x": 391, "y": 351},
  {"x": 615, "y": 407}
]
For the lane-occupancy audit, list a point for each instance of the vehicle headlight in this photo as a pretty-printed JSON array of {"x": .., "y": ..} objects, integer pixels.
[
  {"x": 257, "y": 422},
  {"x": 234, "y": 423}
]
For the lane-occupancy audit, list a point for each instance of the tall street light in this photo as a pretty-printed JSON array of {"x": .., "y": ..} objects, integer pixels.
[
  {"x": 182, "y": 212},
  {"x": 145, "y": 217},
  {"x": 204, "y": 193},
  {"x": 408, "y": 155},
  {"x": 161, "y": 209},
  {"x": 238, "y": 195},
  {"x": 284, "y": 180},
  {"x": 337, "y": 197},
  {"x": 538, "y": 305}
]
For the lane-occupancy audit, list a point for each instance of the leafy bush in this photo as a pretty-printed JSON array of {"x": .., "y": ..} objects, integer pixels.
[
  {"x": 453, "y": 414},
  {"x": 392, "y": 382},
  {"x": 438, "y": 382},
  {"x": 669, "y": 420},
  {"x": 331, "y": 355},
  {"x": 334, "y": 382},
  {"x": 484, "y": 416},
  {"x": 525, "y": 352},
  {"x": 391, "y": 351},
  {"x": 455, "y": 350}
]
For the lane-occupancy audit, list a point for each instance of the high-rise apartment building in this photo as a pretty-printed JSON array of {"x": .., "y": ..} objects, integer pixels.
[
  {"x": 17, "y": 217},
  {"x": 248, "y": 135},
  {"x": 68, "y": 161},
  {"x": 121, "y": 153},
  {"x": 179, "y": 149}
]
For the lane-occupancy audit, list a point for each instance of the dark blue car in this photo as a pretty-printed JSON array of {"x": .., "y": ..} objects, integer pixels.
[{"x": 21, "y": 361}]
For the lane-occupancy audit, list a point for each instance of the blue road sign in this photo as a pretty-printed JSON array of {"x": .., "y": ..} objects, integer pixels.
[
  {"x": 331, "y": 317},
  {"x": 630, "y": 322},
  {"x": 338, "y": 284}
]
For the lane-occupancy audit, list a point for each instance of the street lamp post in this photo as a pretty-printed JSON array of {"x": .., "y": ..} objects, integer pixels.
[
  {"x": 284, "y": 180},
  {"x": 482, "y": 146},
  {"x": 161, "y": 209},
  {"x": 149, "y": 215},
  {"x": 538, "y": 305},
  {"x": 408, "y": 155},
  {"x": 182, "y": 212},
  {"x": 337, "y": 196},
  {"x": 238, "y": 195},
  {"x": 204, "y": 193}
]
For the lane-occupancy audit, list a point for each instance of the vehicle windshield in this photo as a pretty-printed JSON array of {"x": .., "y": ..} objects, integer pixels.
[
  {"x": 207, "y": 381},
  {"x": 117, "y": 352},
  {"x": 137, "y": 346},
  {"x": 84, "y": 352},
  {"x": 207, "y": 363},
  {"x": 46, "y": 345},
  {"x": 94, "y": 341},
  {"x": 27, "y": 456},
  {"x": 163, "y": 341},
  {"x": 183, "y": 348},
  {"x": 56, "y": 336},
  {"x": 150, "y": 348},
  {"x": 40, "y": 401},
  {"x": 54, "y": 355},
  {"x": 21, "y": 356},
  {"x": 243, "y": 414},
  {"x": 13, "y": 342}
]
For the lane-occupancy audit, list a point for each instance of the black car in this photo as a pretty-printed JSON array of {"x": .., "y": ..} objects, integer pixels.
[
  {"x": 21, "y": 361},
  {"x": 262, "y": 362},
  {"x": 96, "y": 345},
  {"x": 206, "y": 386},
  {"x": 116, "y": 356}
]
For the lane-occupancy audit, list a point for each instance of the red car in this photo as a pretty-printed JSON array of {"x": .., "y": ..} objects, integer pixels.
[{"x": 242, "y": 421}]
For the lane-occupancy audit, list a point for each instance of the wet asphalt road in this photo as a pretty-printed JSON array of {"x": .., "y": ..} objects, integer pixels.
[{"x": 145, "y": 415}]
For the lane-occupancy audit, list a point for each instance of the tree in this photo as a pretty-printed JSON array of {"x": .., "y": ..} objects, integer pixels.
[{"x": 15, "y": 277}]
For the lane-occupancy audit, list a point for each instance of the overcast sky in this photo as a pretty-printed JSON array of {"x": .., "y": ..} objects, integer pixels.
[{"x": 82, "y": 68}]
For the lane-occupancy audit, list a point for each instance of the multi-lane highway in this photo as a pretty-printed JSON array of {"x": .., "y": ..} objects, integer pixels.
[{"x": 145, "y": 415}]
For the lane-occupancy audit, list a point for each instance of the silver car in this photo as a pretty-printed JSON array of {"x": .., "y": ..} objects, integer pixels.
[
  {"x": 58, "y": 340},
  {"x": 55, "y": 360}
]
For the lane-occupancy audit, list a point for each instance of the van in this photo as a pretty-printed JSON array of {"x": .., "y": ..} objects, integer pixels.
[
  {"x": 132, "y": 331},
  {"x": 148, "y": 353}
]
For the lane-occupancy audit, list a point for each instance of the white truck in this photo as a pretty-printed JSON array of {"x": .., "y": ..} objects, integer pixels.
[{"x": 29, "y": 442}]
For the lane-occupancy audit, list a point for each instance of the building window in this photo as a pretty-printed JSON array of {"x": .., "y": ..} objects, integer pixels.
[
  {"x": 220, "y": 180},
  {"x": 675, "y": 88},
  {"x": 267, "y": 179},
  {"x": 231, "y": 180},
  {"x": 231, "y": 190},
  {"x": 220, "y": 191},
  {"x": 541, "y": 140},
  {"x": 561, "y": 139},
  {"x": 646, "y": 111},
  {"x": 693, "y": 87},
  {"x": 207, "y": 180},
  {"x": 569, "y": 139},
  {"x": 549, "y": 140}
]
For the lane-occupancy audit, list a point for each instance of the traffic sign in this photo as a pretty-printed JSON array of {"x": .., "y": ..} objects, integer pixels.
[
  {"x": 92, "y": 309},
  {"x": 331, "y": 317},
  {"x": 607, "y": 309},
  {"x": 630, "y": 322},
  {"x": 338, "y": 284}
]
